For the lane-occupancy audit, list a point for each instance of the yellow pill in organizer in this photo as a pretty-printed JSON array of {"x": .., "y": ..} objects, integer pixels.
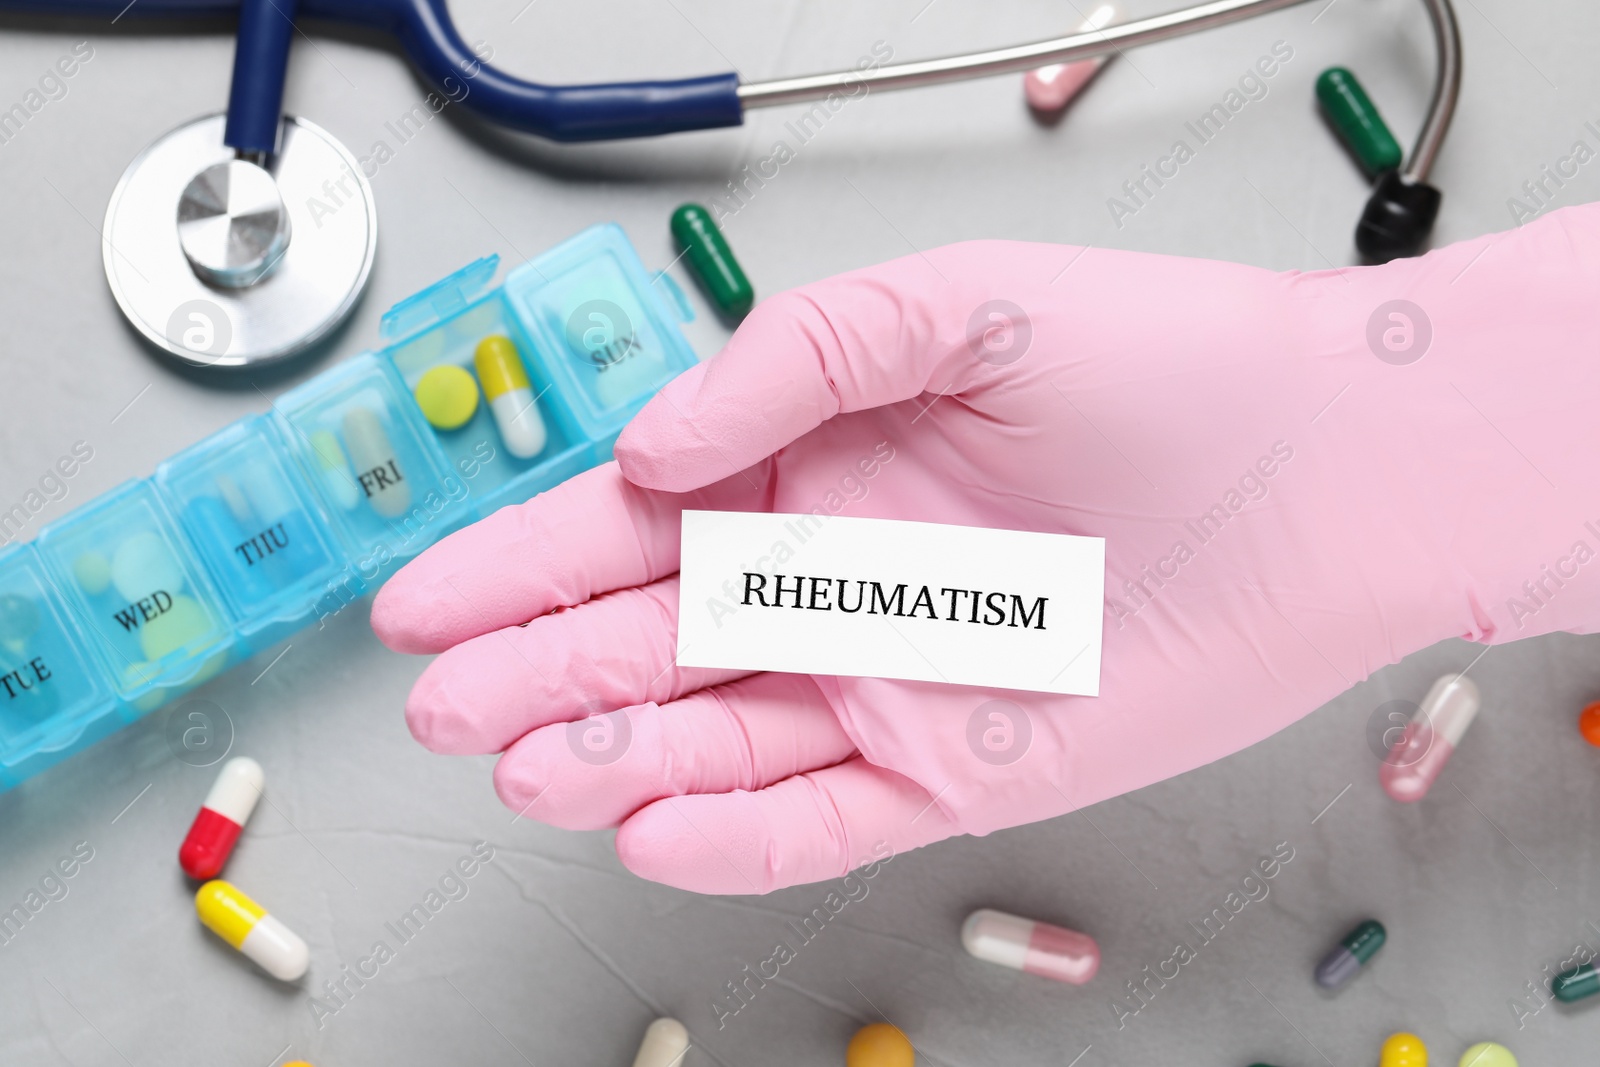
[
  {"x": 245, "y": 925},
  {"x": 665, "y": 1042},
  {"x": 880, "y": 1045},
  {"x": 1403, "y": 1050},
  {"x": 448, "y": 397}
]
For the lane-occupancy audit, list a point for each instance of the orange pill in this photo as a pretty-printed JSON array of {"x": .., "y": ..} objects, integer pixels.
[
  {"x": 880, "y": 1045},
  {"x": 1589, "y": 724}
]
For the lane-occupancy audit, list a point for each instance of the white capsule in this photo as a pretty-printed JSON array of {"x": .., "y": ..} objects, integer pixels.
[
  {"x": 377, "y": 468},
  {"x": 277, "y": 949},
  {"x": 517, "y": 418},
  {"x": 665, "y": 1042},
  {"x": 235, "y": 792}
]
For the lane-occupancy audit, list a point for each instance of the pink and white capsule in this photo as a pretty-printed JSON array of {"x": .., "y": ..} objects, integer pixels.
[
  {"x": 1025, "y": 945},
  {"x": 1051, "y": 88},
  {"x": 1429, "y": 739}
]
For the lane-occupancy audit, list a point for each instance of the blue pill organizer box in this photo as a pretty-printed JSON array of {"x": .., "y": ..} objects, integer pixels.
[{"x": 281, "y": 520}]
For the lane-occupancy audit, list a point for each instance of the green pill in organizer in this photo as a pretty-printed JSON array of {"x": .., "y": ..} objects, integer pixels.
[
  {"x": 712, "y": 260},
  {"x": 93, "y": 572},
  {"x": 19, "y": 620},
  {"x": 1576, "y": 984},
  {"x": 1357, "y": 122},
  {"x": 183, "y": 622},
  {"x": 448, "y": 397}
]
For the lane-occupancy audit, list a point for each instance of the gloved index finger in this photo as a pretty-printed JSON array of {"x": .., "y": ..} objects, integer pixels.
[
  {"x": 594, "y": 533},
  {"x": 852, "y": 342}
]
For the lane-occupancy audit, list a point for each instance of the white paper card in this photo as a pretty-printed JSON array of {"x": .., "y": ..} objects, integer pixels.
[{"x": 886, "y": 598}]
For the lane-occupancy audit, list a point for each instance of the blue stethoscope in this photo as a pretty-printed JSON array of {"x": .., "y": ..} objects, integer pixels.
[{"x": 213, "y": 213}]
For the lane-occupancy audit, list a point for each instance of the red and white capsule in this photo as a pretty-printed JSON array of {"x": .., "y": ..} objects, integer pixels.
[
  {"x": 227, "y": 808},
  {"x": 1035, "y": 947}
]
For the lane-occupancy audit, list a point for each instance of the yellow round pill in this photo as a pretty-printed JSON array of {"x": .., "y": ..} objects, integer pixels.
[
  {"x": 448, "y": 396},
  {"x": 1488, "y": 1054},
  {"x": 1403, "y": 1050},
  {"x": 879, "y": 1045}
]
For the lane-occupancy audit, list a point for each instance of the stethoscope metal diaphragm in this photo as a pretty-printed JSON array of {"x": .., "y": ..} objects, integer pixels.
[{"x": 227, "y": 262}]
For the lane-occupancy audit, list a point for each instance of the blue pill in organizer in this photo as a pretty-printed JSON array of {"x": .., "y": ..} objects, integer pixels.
[
  {"x": 156, "y": 623},
  {"x": 255, "y": 530}
]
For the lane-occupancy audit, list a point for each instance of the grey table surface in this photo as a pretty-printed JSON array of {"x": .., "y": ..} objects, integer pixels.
[{"x": 557, "y": 955}]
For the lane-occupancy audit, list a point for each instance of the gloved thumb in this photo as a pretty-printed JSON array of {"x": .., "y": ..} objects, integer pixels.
[{"x": 855, "y": 341}]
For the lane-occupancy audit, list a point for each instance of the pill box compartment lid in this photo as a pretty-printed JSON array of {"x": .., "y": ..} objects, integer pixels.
[
  {"x": 608, "y": 334},
  {"x": 439, "y": 301},
  {"x": 436, "y": 501},
  {"x": 445, "y": 329},
  {"x": 37, "y": 635},
  {"x": 116, "y": 629},
  {"x": 243, "y": 467}
]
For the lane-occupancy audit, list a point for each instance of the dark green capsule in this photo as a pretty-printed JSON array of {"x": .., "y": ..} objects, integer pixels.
[
  {"x": 1355, "y": 118},
  {"x": 1350, "y": 954},
  {"x": 712, "y": 260},
  {"x": 1365, "y": 940},
  {"x": 1576, "y": 984}
]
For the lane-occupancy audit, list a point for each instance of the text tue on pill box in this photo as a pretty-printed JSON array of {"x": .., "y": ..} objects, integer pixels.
[{"x": 887, "y": 598}]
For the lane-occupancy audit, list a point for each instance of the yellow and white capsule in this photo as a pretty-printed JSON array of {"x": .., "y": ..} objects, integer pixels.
[
  {"x": 245, "y": 925},
  {"x": 510, "y": 394}
]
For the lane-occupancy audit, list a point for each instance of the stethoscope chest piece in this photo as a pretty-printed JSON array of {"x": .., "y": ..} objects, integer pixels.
[{"x": 222, "y": 261}]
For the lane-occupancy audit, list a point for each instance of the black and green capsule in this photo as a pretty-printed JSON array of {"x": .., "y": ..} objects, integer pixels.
[
  {"x": 1579, "y": 982},
  {"x": 1356, "y": 120},
  {"x": 712, "y": 260},
  {"x": 1351, "y": 954}
]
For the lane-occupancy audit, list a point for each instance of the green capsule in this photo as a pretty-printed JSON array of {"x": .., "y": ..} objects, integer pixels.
[
  {"x": 1350, "y": 954},
  {"x": 712, "y": 260},
  {"x": 1576, "y": 984},
  {"x": 1365, "y": 940},
  {"x": 1357, "y": 122}
]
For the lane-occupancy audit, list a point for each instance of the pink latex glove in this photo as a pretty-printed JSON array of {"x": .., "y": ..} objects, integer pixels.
[{"x": 1355, "y": 508}]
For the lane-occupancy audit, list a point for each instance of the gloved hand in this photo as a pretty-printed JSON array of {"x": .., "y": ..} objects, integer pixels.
[{"x": 1295, "y": 488}]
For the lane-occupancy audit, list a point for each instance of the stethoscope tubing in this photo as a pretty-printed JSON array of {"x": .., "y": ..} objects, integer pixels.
[{"x": 640, "y": 109}]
